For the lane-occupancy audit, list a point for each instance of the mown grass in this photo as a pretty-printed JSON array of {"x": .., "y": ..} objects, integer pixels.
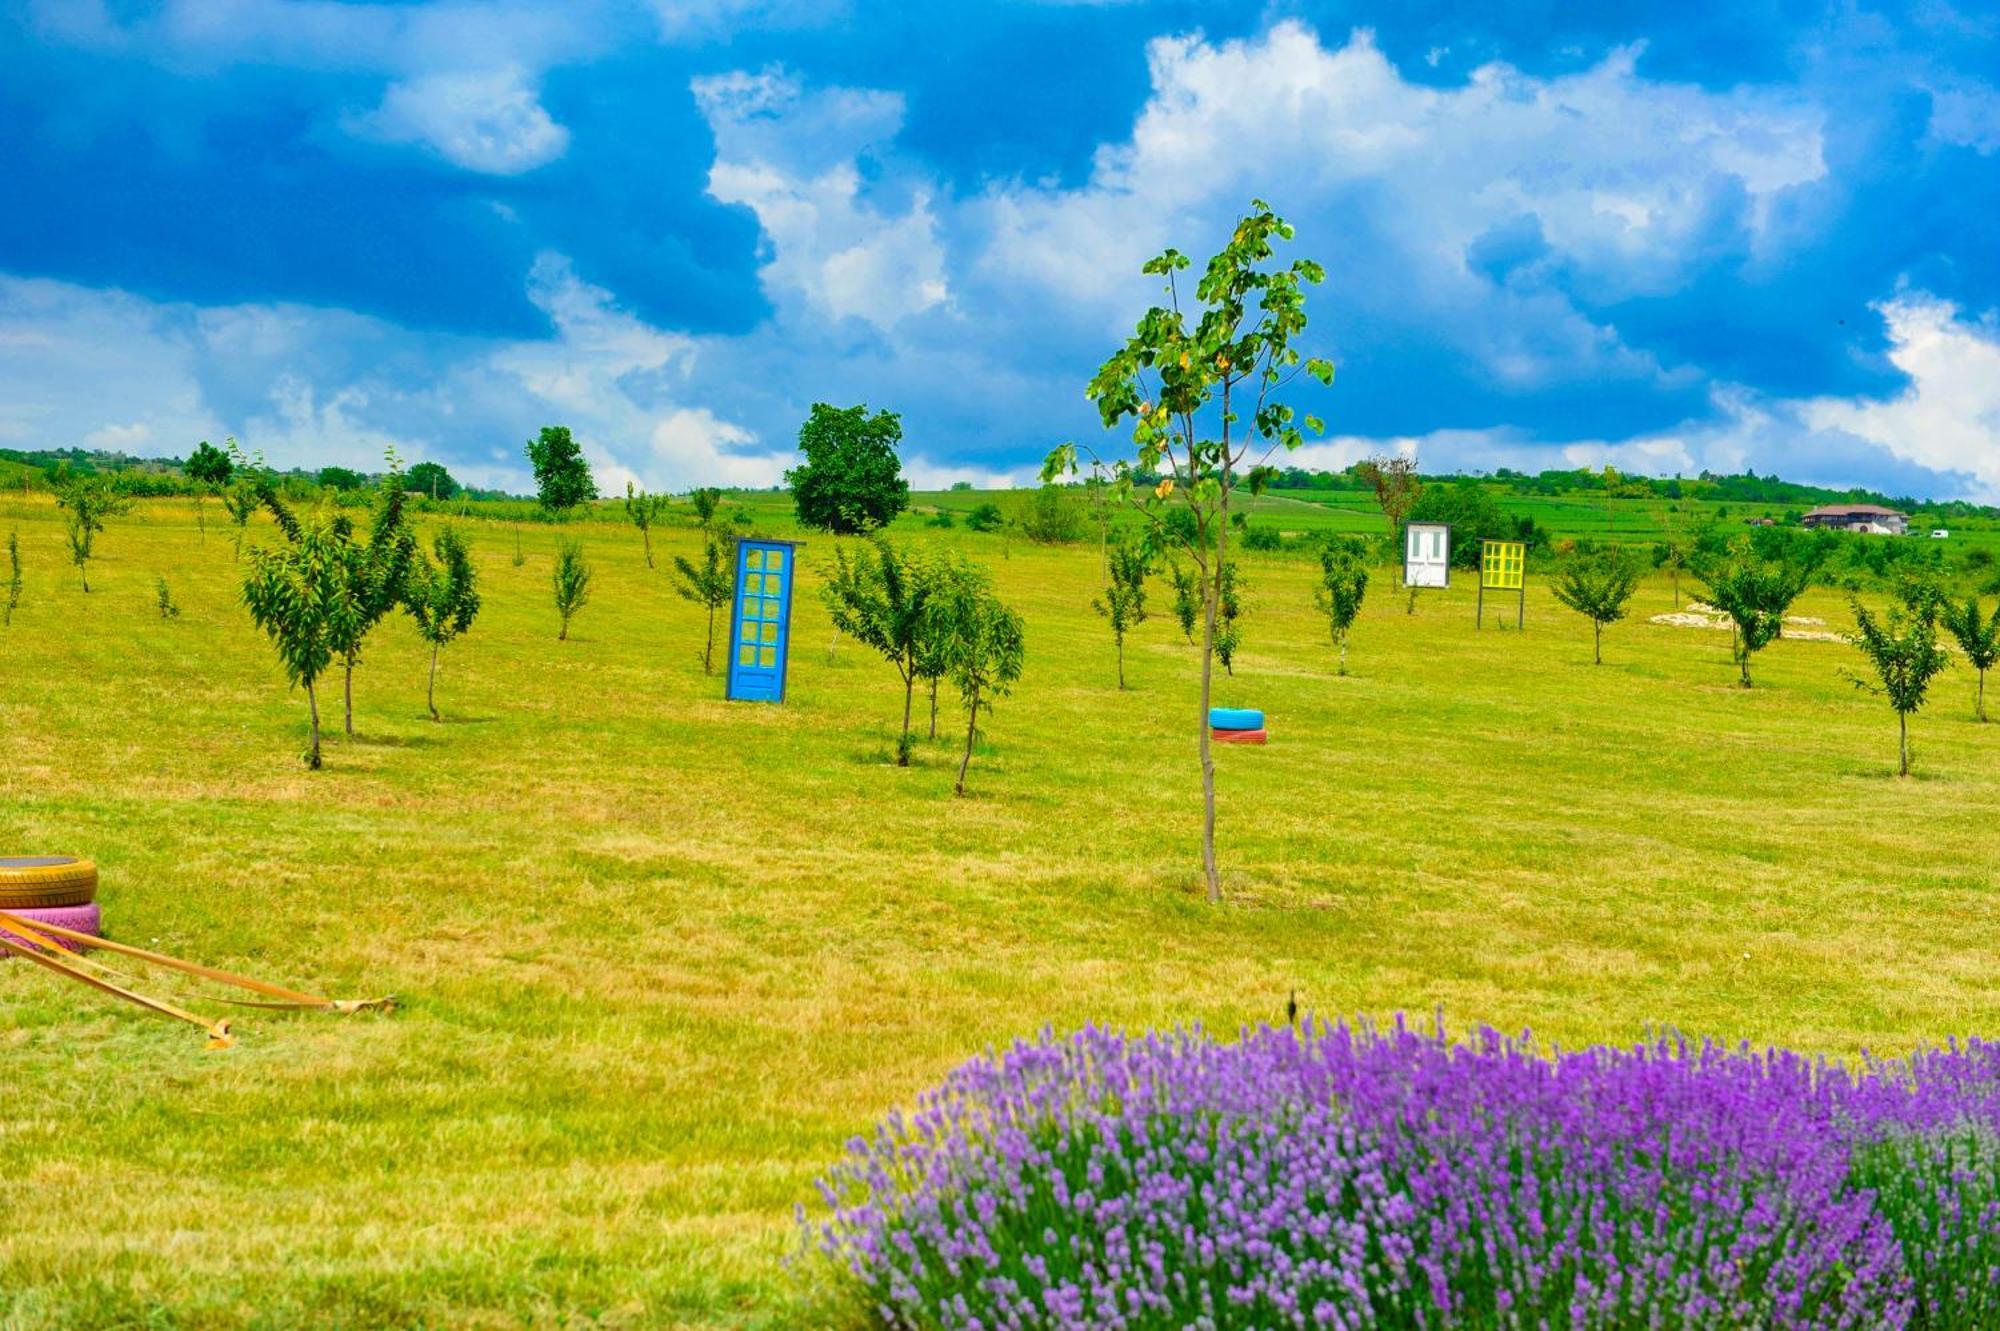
[{"x": 661, "y": 955}]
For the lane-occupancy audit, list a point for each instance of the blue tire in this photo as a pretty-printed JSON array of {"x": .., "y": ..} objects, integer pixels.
[{"x": 1235, "y": 718}]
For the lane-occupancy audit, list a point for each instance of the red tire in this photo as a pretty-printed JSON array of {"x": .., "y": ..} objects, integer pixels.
[
  {"x": 83, "y": 919},
  {"x": 1239, "y": 736}
]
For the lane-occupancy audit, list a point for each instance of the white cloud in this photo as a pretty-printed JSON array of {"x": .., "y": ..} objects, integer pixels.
[
  {"x": 487, "y": 120},
  {"x": 1948, "y": 419},
  {"x": 790, "y": 157},
  {"x": 1618, "y": 183},
  {"x": 1967, "y": 114}
]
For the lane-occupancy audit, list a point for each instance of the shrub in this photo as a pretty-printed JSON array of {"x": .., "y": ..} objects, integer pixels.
[
  {"x": 163, "y": 599},
  {"x": 1053, "y": 515},
  {"x": 1473, "y": 514},
  {"x": 942, "y": 519},
  {"x": 1350, "y": 1177},
  {"x": 1259, "y": 537},
  {"x": 986, "y": 517}
]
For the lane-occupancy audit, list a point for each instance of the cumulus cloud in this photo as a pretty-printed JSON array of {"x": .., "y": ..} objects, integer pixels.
[
  {"x": 487, "y": 121},
  {"x": 1948, "y": 418},
  {"x": 792, "y": 158}
]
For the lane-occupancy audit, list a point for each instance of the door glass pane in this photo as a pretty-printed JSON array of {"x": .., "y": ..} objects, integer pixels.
[
  {"x": 770, "y": 607},
  {"x": 746, "y": 655},
  {"x": 767, "y": 656},
  {"x": 774, "y": 559},
  {"x": 755, "y": 559}
]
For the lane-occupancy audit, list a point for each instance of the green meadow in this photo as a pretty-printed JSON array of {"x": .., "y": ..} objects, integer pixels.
[{"x": 659, "y": 956}]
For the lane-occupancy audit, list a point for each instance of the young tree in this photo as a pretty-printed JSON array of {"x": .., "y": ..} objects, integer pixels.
[
  {"x": 296, "y": 593},
  {"x": 163, "y": 599},
  {"x": 706, "y": 501},
  {"x": 1755, "y": 593},
  {"x": 881, "y": 600},
  {"x": 1906, "y": 656},
  {"x": 207, "y": 470},
  {"x": 1124, "y": 599},
  {"x": 86, "y": 501},
  {"x": 443, "y": 599},
  {"x": 432, "y": 481},
  {"x": 1397, "y": 487},
  {"x": 371, "y": 572},
  {"x": 983, "y": 647},
  {"x": 712, "y": 584},
  {"x": 644, "y": 510},
  {"x": 13, "y": 578},
  {"x": 851, "y": 479},
  {"x": 1203, "y": 399},
  {"x": 1673, "y": 551},
  {"x": 1597, "y": 586},
  {"x": 1228, "y": 618},
  {"x": 1978, "y": 638},
  {"x": 1343, "y": 582},
  {"x": 1187, "y": 598},
  {"x": 562, "y": 474},
  {"x": 572, "y": 583},
  {"x": 242, "y": 493}
]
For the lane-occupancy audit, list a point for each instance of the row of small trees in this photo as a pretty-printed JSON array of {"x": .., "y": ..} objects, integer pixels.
[
  {"x": 319, "y": 593},
  {"x": 933, "y": 618}
]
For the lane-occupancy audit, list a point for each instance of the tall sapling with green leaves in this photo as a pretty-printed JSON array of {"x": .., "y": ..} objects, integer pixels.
[
  {"x": 296, "y": 593},
  {"x": 1599, "y": 587},
  {"x": 1979, "y": 639},
  {"x": 86, "y": 501},
  {"x": 1343, "y": 582},
  {"x": 1754, "y": 593},
  {"x": 1124, "y": 599},
  {"x": 880, "y": 598},
  {"x": 1201, "y": 388},
  {"x": 1904, "y": 651},
  {"x": 571, "y": 583},
  {"x": 710, "y": 584},
  {"x": 982, "y": 645},
  {"x": 443, "y": 599},
  {"x": 644, "y": 510},
  {"x": 207, "y": 469}
]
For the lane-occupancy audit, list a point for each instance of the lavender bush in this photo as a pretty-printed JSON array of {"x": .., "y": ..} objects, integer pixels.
[{"x": 1355, "y": 1178}]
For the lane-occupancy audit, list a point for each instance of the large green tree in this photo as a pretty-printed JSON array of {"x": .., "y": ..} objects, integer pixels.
[
  {"x": 1202, "y": 385},
  {"x": 851, "y": 479},
  {"x": 562, "y": 473},
  {"x": 432, "y": 481}
]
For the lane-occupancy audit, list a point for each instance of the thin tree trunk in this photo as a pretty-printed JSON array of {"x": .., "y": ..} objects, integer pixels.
[
  {"x": 971, "y": 729},
  {"x": 1121, "y": 662},
  {"x": 1207, "y": 757},
  {"x": 934, "y": 688},
  {"x": 347, "y": 689},
  {"x": 562, "y": 634},
  {"x": 312, "y": 706},
  {"x": 1597, "y": 642},
  {"x": 1343, "y": 651},
  {"x": 708, "y": 647},
  {"x": 1903, "y": 741},
  {"x": 647, "y": 535},
  {"x": 1982, "y": 695},
  {"x": 431, "y": 694},
  {"x": 903, "y": 745}
]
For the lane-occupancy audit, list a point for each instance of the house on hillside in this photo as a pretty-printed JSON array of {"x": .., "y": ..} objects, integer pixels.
[{"x": 1872, "y": 519}]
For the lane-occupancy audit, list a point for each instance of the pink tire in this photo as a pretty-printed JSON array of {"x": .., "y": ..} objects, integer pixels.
[{"x": 83, "y": 919}]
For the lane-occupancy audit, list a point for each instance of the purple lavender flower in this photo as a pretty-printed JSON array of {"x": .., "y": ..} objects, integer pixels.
[{"x": 1358, "y": 1178}]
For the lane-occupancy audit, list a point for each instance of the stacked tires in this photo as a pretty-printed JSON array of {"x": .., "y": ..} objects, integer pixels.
[
  {"x": 1236, "y": 725},
  {"x": 50, "y": 889}
]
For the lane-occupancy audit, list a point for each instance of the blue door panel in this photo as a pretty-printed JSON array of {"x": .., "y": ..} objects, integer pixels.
[{"x": 760, "y": 622}]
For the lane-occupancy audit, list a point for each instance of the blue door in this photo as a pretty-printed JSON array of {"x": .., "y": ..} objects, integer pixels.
[{"x": 761, "y": 624}]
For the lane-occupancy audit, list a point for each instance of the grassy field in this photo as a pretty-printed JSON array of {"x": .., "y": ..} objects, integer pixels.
[{"x": 660, "y": 956}]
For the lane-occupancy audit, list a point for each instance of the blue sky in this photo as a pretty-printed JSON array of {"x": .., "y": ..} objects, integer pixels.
[{"x": 1760, "y": 236}]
